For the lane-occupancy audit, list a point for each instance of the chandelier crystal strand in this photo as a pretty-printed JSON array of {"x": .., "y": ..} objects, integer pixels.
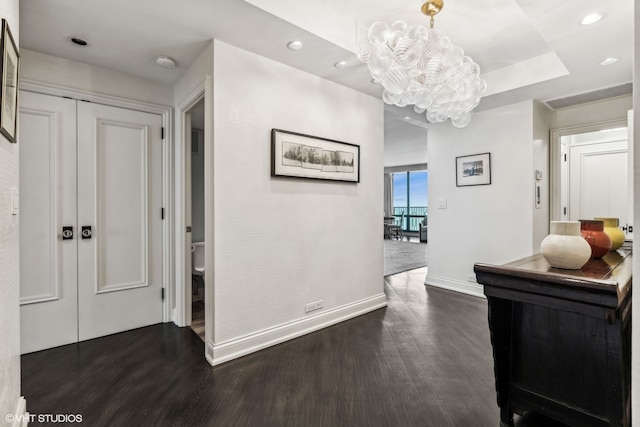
[{"x": 421, "y": 67}]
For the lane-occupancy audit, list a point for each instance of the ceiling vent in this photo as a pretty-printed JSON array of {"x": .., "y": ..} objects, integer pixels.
[{"x": 611, "y": 92}]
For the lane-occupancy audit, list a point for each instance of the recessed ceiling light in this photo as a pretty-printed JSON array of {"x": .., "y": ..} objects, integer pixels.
[
  {"x": 592, "y": 18},
  {"x": 608, "y": 61},
  {"x": 295, "y": 45},
  {"x": 78, "y": 41},
  {"x": 166, "y": 62},
  {"x": 342, "y": 64}
]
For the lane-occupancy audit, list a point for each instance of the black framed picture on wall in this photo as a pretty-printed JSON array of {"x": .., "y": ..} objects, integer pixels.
[
  {"x": 473, "y": 170},
  {"x": 304, "y": 156},
  {"x": 9, "y": 87}
]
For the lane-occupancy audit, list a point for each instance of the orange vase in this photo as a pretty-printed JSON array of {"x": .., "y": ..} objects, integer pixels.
[{"x": 593, "y": 232}]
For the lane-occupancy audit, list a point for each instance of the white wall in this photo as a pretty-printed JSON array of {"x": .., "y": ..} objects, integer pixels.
[
  {"x": 635, "y": 337},
  {"x": 9, "y": 261},
  {"x": 195, "y": 75},
  {"x": 592, "y": 112},
  {"x": 541, "y": 121},
  {"x": 52, "y": 70},
  {"x": 283, "y": 243},
  {"x": 494, "y": 223}
]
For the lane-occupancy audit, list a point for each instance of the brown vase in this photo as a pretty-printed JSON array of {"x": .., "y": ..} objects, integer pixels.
[{"x": 593, "y": 232}]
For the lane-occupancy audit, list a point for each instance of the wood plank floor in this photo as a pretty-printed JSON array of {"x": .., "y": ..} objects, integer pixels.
[{"x": 425, "y": 360}]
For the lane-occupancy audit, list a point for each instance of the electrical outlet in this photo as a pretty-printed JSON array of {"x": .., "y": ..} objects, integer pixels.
[{"x": 313, "y": 306}]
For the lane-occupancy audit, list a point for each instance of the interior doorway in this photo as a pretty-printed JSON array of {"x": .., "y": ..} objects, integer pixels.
[{"x": 195, "y": 208}]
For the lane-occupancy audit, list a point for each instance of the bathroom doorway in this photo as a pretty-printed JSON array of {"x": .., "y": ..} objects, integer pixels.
[{"x": 196, "y": 216}]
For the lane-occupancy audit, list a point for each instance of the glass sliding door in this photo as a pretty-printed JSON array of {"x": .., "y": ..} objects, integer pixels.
[
  {"x": 410, "y": 198},
  {"x": 400, "y": 187}
]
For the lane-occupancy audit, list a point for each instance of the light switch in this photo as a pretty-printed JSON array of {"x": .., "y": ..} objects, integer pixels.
[
  {"x": 442, "y": 203},
  {"x": 15, "y": 201}
]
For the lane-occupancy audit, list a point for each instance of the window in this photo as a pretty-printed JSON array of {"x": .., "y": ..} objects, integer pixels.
[{"x": 410, "y": 198}]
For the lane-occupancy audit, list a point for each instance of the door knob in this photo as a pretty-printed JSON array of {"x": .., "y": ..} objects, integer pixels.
[
  {"x": 86, "y": 232},
  {"x": 67, "y": 233}
]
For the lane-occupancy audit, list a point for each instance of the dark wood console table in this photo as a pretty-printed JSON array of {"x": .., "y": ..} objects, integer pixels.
[{"x": 562, "y": 338}]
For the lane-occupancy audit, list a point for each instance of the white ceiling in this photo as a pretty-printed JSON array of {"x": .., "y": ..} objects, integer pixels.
[{"x": 526, "y": 49}]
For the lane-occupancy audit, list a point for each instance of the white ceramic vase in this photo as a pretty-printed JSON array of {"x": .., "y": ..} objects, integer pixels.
[{"x": 565, "y": 247}]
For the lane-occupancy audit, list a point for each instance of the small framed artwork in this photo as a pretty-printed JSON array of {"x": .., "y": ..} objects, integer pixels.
[
  {"x": 304, "y": 156},
  {"x": 473, "y": 170},
  {"x": 9, "y": 86}
]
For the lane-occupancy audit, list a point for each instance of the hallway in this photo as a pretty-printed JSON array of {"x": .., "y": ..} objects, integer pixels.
[{"x": 425, "y": 360}]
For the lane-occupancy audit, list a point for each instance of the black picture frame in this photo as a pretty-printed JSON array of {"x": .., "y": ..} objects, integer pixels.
[
  {"x": 473, "y": 170},
  {"x": 10, "y": 65},
  {"x": 297, "y": 155}
]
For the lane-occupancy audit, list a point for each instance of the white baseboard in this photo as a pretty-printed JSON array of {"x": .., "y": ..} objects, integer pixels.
[
  {"x": 229, "y": 350},
  {"x": 469, "y": 288},
  {"x": 21, "y": 416}
]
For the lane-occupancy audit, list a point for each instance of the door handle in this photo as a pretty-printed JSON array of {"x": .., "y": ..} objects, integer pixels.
[
  {"x": 67, "y": 233},
  {"x": 86, "y": 232}
]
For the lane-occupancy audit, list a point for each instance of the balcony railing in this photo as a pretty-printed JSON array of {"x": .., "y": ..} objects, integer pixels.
[{"x": 411, "y": 218}]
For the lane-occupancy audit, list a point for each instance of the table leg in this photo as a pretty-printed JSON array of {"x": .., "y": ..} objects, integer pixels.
[{"x": 500, "y": 317}]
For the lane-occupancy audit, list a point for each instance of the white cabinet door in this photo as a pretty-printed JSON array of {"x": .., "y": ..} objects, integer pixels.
[
  {"x": 88, "y": 165},
  {"x": 48, "y": 278},
  {"x": 120, "y": 199},
  {"x": 599, "y": 180}
]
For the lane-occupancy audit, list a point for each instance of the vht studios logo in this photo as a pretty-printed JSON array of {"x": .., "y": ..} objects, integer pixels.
[{"x": 44, "y": 418}]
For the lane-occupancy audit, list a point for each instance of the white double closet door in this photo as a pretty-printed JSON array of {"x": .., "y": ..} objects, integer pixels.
[{"x": 90, "y": 220}]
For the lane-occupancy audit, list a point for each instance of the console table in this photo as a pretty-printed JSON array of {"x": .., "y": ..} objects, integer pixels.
[{"x": 562, "y": 338}]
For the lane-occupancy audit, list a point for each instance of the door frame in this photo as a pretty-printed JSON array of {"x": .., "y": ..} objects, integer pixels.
[
  {"x": 183, "y": 208},
  {"x": 203, "y": 91},
  {"x": 555, "y": 158},
  {"x": 166, "y": 114}
]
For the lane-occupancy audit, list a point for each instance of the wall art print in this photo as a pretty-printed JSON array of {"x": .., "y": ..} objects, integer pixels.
[
  {"x": 473, "y": 170},
  {"x": 9, "y": 86},
  {"x": 305, "y": 156}
]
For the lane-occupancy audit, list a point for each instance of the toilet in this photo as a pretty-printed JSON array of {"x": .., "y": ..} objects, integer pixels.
[{"x": 197, "y": 269}]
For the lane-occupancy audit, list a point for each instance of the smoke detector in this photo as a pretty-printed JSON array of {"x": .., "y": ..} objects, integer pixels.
[{"x": 166, "y": 62}]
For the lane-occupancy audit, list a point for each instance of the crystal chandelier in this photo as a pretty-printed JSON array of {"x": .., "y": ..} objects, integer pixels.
[{"x": 421, "y": 67}]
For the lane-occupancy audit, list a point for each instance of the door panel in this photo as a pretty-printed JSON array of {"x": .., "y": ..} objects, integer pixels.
[
  {"x": 122, "y": 207},
  {"x": 599, "y": 181},
  {"x": 119, "y": 197},
  {"x": 602, "y": 194},
  {"x": 48, "y": 279}
]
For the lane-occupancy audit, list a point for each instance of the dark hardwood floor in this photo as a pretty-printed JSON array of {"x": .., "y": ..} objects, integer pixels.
[{"x": 425, "y": 360}]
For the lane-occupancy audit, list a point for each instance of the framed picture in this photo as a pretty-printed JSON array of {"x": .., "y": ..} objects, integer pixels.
[
  {"x": 473, "y": 170},
  {"x": 304, "y": 156},
  {"x": 9, "y": 86}
]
